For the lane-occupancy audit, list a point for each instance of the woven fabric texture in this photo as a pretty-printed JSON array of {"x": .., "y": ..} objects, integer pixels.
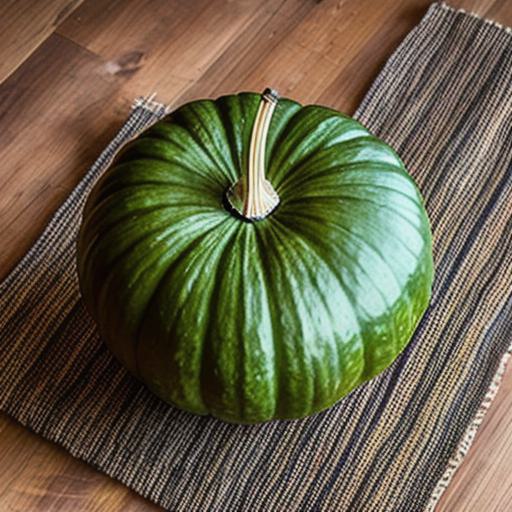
[{"x": 443, "y": 102}]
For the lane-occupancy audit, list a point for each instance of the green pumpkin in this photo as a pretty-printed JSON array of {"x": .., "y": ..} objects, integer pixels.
[{"x": 255, "y": 259}]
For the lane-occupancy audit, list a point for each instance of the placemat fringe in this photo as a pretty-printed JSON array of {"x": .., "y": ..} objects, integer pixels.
[
  {"x": 467, "y": 440},
  {"x": 150, "y": 103},
  {"x": 472, "y": 14}
]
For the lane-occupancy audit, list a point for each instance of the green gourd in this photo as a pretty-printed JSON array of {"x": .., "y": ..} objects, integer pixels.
[{"x": 254, "y": 259}]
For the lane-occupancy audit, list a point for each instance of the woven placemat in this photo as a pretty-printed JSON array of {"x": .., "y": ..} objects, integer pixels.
[{"x": 443, "y": 101}]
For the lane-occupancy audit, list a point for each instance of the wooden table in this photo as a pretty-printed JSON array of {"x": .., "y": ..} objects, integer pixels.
[{"x": 69, "y": 70}]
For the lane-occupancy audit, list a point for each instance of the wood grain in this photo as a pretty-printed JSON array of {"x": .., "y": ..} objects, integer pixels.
[
  {"x": 484, "y": 482},
  {"x": 179, "y": 42},
  {"x": 53, "y": 124},
  {"x": 24, "y": 24},
  {"x": 68, "y": 73},
  {"x": 39, "y": 476}
]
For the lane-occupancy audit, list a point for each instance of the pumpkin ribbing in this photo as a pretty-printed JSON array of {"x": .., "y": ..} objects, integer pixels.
[{"x": 251, "y": 321}]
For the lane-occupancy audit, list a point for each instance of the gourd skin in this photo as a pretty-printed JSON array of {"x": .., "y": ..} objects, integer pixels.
[{"x": 253, "y": 321}]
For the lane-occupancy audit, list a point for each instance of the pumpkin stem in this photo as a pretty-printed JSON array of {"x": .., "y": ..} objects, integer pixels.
[{"x": 253, "y": 196}]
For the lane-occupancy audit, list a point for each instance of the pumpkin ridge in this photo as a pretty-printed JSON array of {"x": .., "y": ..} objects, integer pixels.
[
  {"x": 157, "y": 187},
  {"x": 354, "y": 316},
  {"x": 192, "y": 147},
  {"x": 368, "y": 318},
  {"x": 326, "y": 153},
  {"x": 285, "y": 110},
  {"x": 332, "y": 342},
  {"x": 181, "y": 117},
  {"x": 361, "y": 242},
  {"x": 104, "y": 290},
  {"x": 222, "y": 105},
  {"x": 336, "y": 198},
  {"x": 169, "y": 233},
  {"x": 185, "y": 251},
  {"x": 140, "y": 165},
  {"x": 210, "y": 169},
  {"x": 209, "y": 245},
  {"x": 120, "y": 220},
  {"x": 174, "y": 163},
  {"x": 352, "y": 167},
  {"x": 241, "y": 386},
  {"x": 301, "y": 363},
  {"x": 266, "y": 286},
  {"x": 103, "y": 230},
  {"x": 403, "y": 288},
  {"x": 371, "y": 169},
  {"x": 311, "y": 119},
  {"x": 228, "y": 147},
  {"x": 206, "y": 335},
  {"x": 206, "y": 175},
  {"x": 91, "y": 244},
  {"x": 207, "y": 342},
  {"x": 357, "y": 184},
  {"x": 106, "y": 202},
  {"x": 406, "y": 214},
  {"x": 110, "y": 190},
  {"x": 279, "y": 161}
]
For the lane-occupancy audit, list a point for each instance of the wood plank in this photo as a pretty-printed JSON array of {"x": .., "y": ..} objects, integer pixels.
[
  {"x": 293, "y": 58},
  {"x": 178, "y": 43},
  {"x": 324, "y": 45},
  {"x": 356, "y": 74},
  {"x": 58, "y": 111},
  {"x": 263, "y": 37},
  {"x": 484, "y": 482},
  {"x": 501, "y": 12},
  {"x": 41, "y": 477},
  {"x": 279, "y": 45},
  {"x": 24, "y": 25}
]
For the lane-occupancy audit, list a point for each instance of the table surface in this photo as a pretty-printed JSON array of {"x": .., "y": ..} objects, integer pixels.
[{"x": 69, "y": 70}]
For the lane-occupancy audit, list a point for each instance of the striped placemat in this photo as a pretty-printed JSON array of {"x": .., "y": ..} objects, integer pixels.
[{"x": 443, "y": 101}]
